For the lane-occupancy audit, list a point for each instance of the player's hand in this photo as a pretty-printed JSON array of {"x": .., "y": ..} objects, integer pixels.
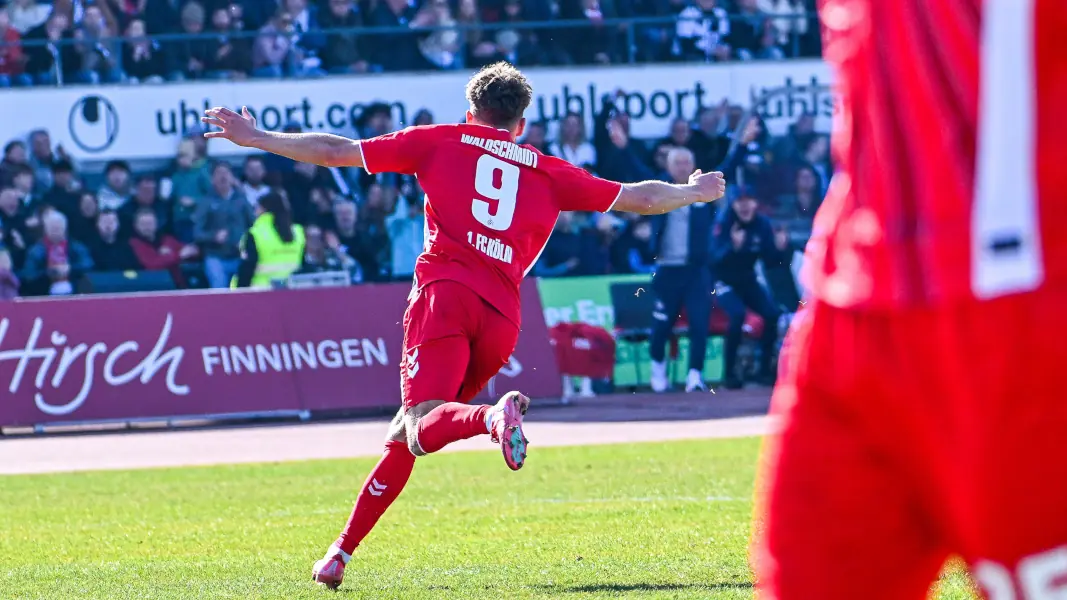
[
  {"x": 238, "y": 128},
  {"x": 737, "y": 236},
  {"x": 711, "y": 186}
]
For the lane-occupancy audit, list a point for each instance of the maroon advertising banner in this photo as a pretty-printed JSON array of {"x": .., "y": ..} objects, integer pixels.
[{"x": 174, "y": 355}]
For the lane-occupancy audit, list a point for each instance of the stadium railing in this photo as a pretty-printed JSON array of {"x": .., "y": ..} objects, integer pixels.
[{"x": 631, "y": 28}]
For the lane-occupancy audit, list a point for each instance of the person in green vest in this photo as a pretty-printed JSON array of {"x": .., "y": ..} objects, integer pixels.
[{"x": 273, "y": 248}]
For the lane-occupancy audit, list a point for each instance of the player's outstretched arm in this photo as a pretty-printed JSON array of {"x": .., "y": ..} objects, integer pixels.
[
  {"x": 323, "y": 149},
  {"x": 657, "y": 197}
]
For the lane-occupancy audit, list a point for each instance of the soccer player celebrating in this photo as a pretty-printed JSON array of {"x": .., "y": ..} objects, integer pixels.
[
  {"x": 922, "y": 413},
  {"x": 491, "y": 205}
]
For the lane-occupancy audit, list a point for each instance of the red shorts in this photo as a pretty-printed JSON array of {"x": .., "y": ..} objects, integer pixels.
[
  {"x": 910, "y": 436},
  {"x": 454, "y": 343}
]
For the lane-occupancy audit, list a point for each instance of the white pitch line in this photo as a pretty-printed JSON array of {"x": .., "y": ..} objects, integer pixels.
[{"x": 204, "y": 447}]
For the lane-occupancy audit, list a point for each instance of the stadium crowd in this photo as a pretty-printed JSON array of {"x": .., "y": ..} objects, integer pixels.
[
  {"x": 190, "y": 218},
  {"x": 111, "y": 41}
]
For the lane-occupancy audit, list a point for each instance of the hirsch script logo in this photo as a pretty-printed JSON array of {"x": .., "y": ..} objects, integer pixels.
[{"x": 59, "y": 360}]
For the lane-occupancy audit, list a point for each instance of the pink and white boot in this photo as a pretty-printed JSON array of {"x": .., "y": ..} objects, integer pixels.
[{"x": 504, "y": 422}]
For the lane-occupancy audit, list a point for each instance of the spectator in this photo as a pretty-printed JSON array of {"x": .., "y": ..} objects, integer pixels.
[
  {"x": 56, "y": 262},
  {"x": 250, "y": 15},
  {"x": 188, "y": 182},
  {"x": 145, "y": 197},
  {"x": 817, "y": 155},
  {"x": 537, "y": 137},
  {"x": 423, "y": 117},
  {"x": 518, "y": 46},
  {"x": 98, "y": 48},
  {"x": 344, "y": 52},
  {"x": 478, "y": 51},
  {"x": 597, "y": 241},
  {"x": 189, "y": 57},
  {"x": 768, "y": 44},
  {"x": 14, "y": 159},
  {"x": 680, "y": 135},
  {"x": 623, "y": 159},
  {"x": 220, "y": 220},
  {"x": 406, "y": 227},
  {"x": 787, "y": 149},
  {"x": 22, "y": 181},
  {"x": 9, "y": 282},
  {"x": 127, "y": 11},
  {"x": 632, "y": 252},
  {"x": 27, "y": 15},
  {"x": 65, "y": 191},
  {"x": 273, "y": 249},
  {"x": 348, "y": 236},
  {"x": 253, "y": 185},
  {"x": 308, "y": 36},
  {"x": 14, "y": 233},
  {"x": 680, "y": 241},
  {"x": 43, "y": 158},
  {"x": 398, "y": 51},
  {"x": 573, "y": 146},
  {"x": 747, "y": 30},
  {"x": 321, "y": 211},
  {"x": 702, "y": 32},
  {"x": 299, "y": 183},
  {"x": 228, "y": 57},
  {"x": 116, "y": 191},
  {"x": 594, "y": 43},
  {"x": 441, "y": 46},
  {"x": 750, "y": 156},
  {"x": 160, "y": 16},
  {"x": 374, "y": 248},
  {"x": 561, "y": 255},
  {"x": 742, "y": 236},
  {"x": 109, "y": 249},
  {"x": 189, "y": 178},
  {"x": 142, "y": 58},
  {"x": 273, "y": 53},
  {"x": 12, "y": 60},
  {"x": 708, "y": 141},
  {"x": 789, "y": 20},
  {"x": 83, "y": 222},
  {"x": 158, "y": 252},
  {"x": 322, "y": 253},
  {"x": 54, "y": 38},
  {"x": 796, "y": 210}
]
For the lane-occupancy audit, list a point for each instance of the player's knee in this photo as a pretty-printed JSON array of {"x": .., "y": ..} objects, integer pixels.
[{"x": 413, "y": 444}]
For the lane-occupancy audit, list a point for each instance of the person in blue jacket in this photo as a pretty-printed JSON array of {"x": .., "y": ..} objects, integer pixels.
[
  {"x": 741, "y": 236},
  {"x": 680, "y": 242}
]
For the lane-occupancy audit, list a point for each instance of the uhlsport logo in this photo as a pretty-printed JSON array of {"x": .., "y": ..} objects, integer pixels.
[{"x": 94, "y": 123}]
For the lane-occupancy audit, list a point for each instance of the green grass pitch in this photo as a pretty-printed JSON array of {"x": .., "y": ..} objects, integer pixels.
[{"x": 663, "y": 520}]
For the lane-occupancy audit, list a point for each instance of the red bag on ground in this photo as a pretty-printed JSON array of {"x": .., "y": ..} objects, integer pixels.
[{"x": 583, "y": 350}]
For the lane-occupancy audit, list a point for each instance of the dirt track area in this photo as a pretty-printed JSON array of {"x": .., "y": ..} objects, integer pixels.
[{"x": 603, "y": 420}]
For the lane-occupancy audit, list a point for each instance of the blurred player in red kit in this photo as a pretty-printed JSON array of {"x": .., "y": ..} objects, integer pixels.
[
  {"x": 491, "y": 205},
  {"x": 922, "y": 412}
]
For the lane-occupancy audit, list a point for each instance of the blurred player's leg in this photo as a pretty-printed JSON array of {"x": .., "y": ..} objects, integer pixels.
[
  {"x": 1016, "y": 477},
  {"x": 848, "y": 516}
]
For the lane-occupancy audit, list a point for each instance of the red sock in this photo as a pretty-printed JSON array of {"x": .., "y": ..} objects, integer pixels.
[
  {"x": 382, "y": 486},
  {"x": 451, "y": 422}
]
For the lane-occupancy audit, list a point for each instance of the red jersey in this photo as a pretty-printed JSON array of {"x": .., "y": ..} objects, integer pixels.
[
  {"x": 951, "y": 152},
  {"x": 491, "y": 204}
]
